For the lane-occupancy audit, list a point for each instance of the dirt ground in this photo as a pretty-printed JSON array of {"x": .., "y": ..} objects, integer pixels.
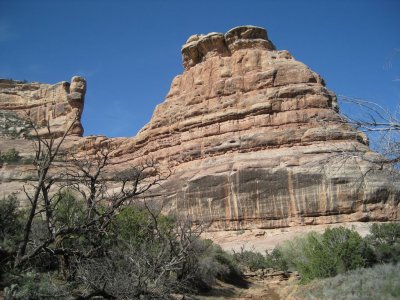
[{"x": 257, "y": 289}]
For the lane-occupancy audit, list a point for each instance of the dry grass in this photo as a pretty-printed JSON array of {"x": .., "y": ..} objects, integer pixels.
[{"x": 379, "y": 282}]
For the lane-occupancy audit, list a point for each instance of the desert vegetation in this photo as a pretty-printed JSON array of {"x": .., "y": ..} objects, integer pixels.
[
  {"x": 378, "y": 282},
  {"x": 335, "y": 264},
  {"x": 9, "y": 156},
  {"x": 335, "y": 251},
  {"x": 142, "y": 254},
  {"x": 78, "y": 240}
]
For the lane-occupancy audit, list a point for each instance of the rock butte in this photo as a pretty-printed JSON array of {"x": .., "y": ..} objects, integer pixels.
[{"x": 253, "y": 138}]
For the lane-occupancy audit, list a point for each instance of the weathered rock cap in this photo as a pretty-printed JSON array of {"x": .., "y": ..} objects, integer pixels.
[
  {"x": 199, "y": 47},
  {"x": 248, "y": 37},
  {"x": 78, "y": 84},
  {"x": 77, "y": 90}
]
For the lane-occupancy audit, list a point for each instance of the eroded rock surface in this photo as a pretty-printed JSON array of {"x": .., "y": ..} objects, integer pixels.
[
  {"x": 254, "y": 140},
  {"x": 56, "y": 104}
]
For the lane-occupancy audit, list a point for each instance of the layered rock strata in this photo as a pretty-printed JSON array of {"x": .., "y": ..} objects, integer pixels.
[
  {"x": 254, "y": 140},
  {"x": 57, "y": 105}
]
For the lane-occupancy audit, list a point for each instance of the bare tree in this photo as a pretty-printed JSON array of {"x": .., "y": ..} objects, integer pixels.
[
  {"x": 46, "y": 151},
  {"x": 71, "y": 223},
  {"x": 160, "y": 262},
  {"x": 86, "y": 177},
  {"x": 380, "y": 124}
]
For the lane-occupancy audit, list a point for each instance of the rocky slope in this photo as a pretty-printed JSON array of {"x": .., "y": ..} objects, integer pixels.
[{"x": 252, "y": 136}]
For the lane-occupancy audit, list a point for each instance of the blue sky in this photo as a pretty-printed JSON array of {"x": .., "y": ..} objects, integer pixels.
[{"x": 129, "y": 51}]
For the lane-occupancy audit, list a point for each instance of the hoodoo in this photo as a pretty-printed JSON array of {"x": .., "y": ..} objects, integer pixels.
[{"x": 253, "y": 137}]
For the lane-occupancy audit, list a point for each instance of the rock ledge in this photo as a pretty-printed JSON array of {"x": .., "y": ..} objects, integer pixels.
[{"x": 200, "y": 47}]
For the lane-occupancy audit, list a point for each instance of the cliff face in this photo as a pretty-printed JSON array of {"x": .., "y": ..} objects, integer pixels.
[
  {"x": 57, "y": 104},
  {"x": 23, "y": 103},
  {"x": 254, "y": 139}
]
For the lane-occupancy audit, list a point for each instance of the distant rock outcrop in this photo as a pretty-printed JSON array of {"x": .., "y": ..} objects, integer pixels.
[
  {"x": 57, "y": 104},
  {"x": 253, "y": 137}
]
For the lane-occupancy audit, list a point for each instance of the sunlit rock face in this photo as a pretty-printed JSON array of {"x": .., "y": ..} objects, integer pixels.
[
  {"x": 56, "y": 104},
  {"x": 256, "y": 140},
  {"x": 28, "y": 105},
  {"x": 253, "y": 139}
]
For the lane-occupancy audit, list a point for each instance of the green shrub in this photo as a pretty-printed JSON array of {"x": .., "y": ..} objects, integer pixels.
[
  {"x": 228, "y": 260},
  {"x": 150, "y": 253},
  {"x": 385, "y": 240},
  {"x": 204, "y": 266},
  {"x": 10, "y": 156},
  {"x": 69, "y": 210},
  {"x": 10, "y": 231},
  {"x": 251, "y": 260},
  {"x": 136, "y": 224},
  {"x": 35, "y": 286},
  {"x": 277, "y": 260},
  {"x": 142, "y": 253},
  {"x": 213, "y": 262},
  {"x": 316, "y": 260},
  {"x": 10, "y": 218},
  {"x": 325, "y": 255},
  {"x": 350, "y": 250}
]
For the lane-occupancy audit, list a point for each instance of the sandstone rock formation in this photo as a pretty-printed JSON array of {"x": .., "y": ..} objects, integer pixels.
[
  {"x": 253, "y": 138},
  {"x": 257, "y": 141},
  {"x": 57, "y": 104},
  {"x": 25, "y": 102}
]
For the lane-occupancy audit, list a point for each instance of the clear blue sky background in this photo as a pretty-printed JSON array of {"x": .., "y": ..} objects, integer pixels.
[{"x": 129, "y": 51}]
